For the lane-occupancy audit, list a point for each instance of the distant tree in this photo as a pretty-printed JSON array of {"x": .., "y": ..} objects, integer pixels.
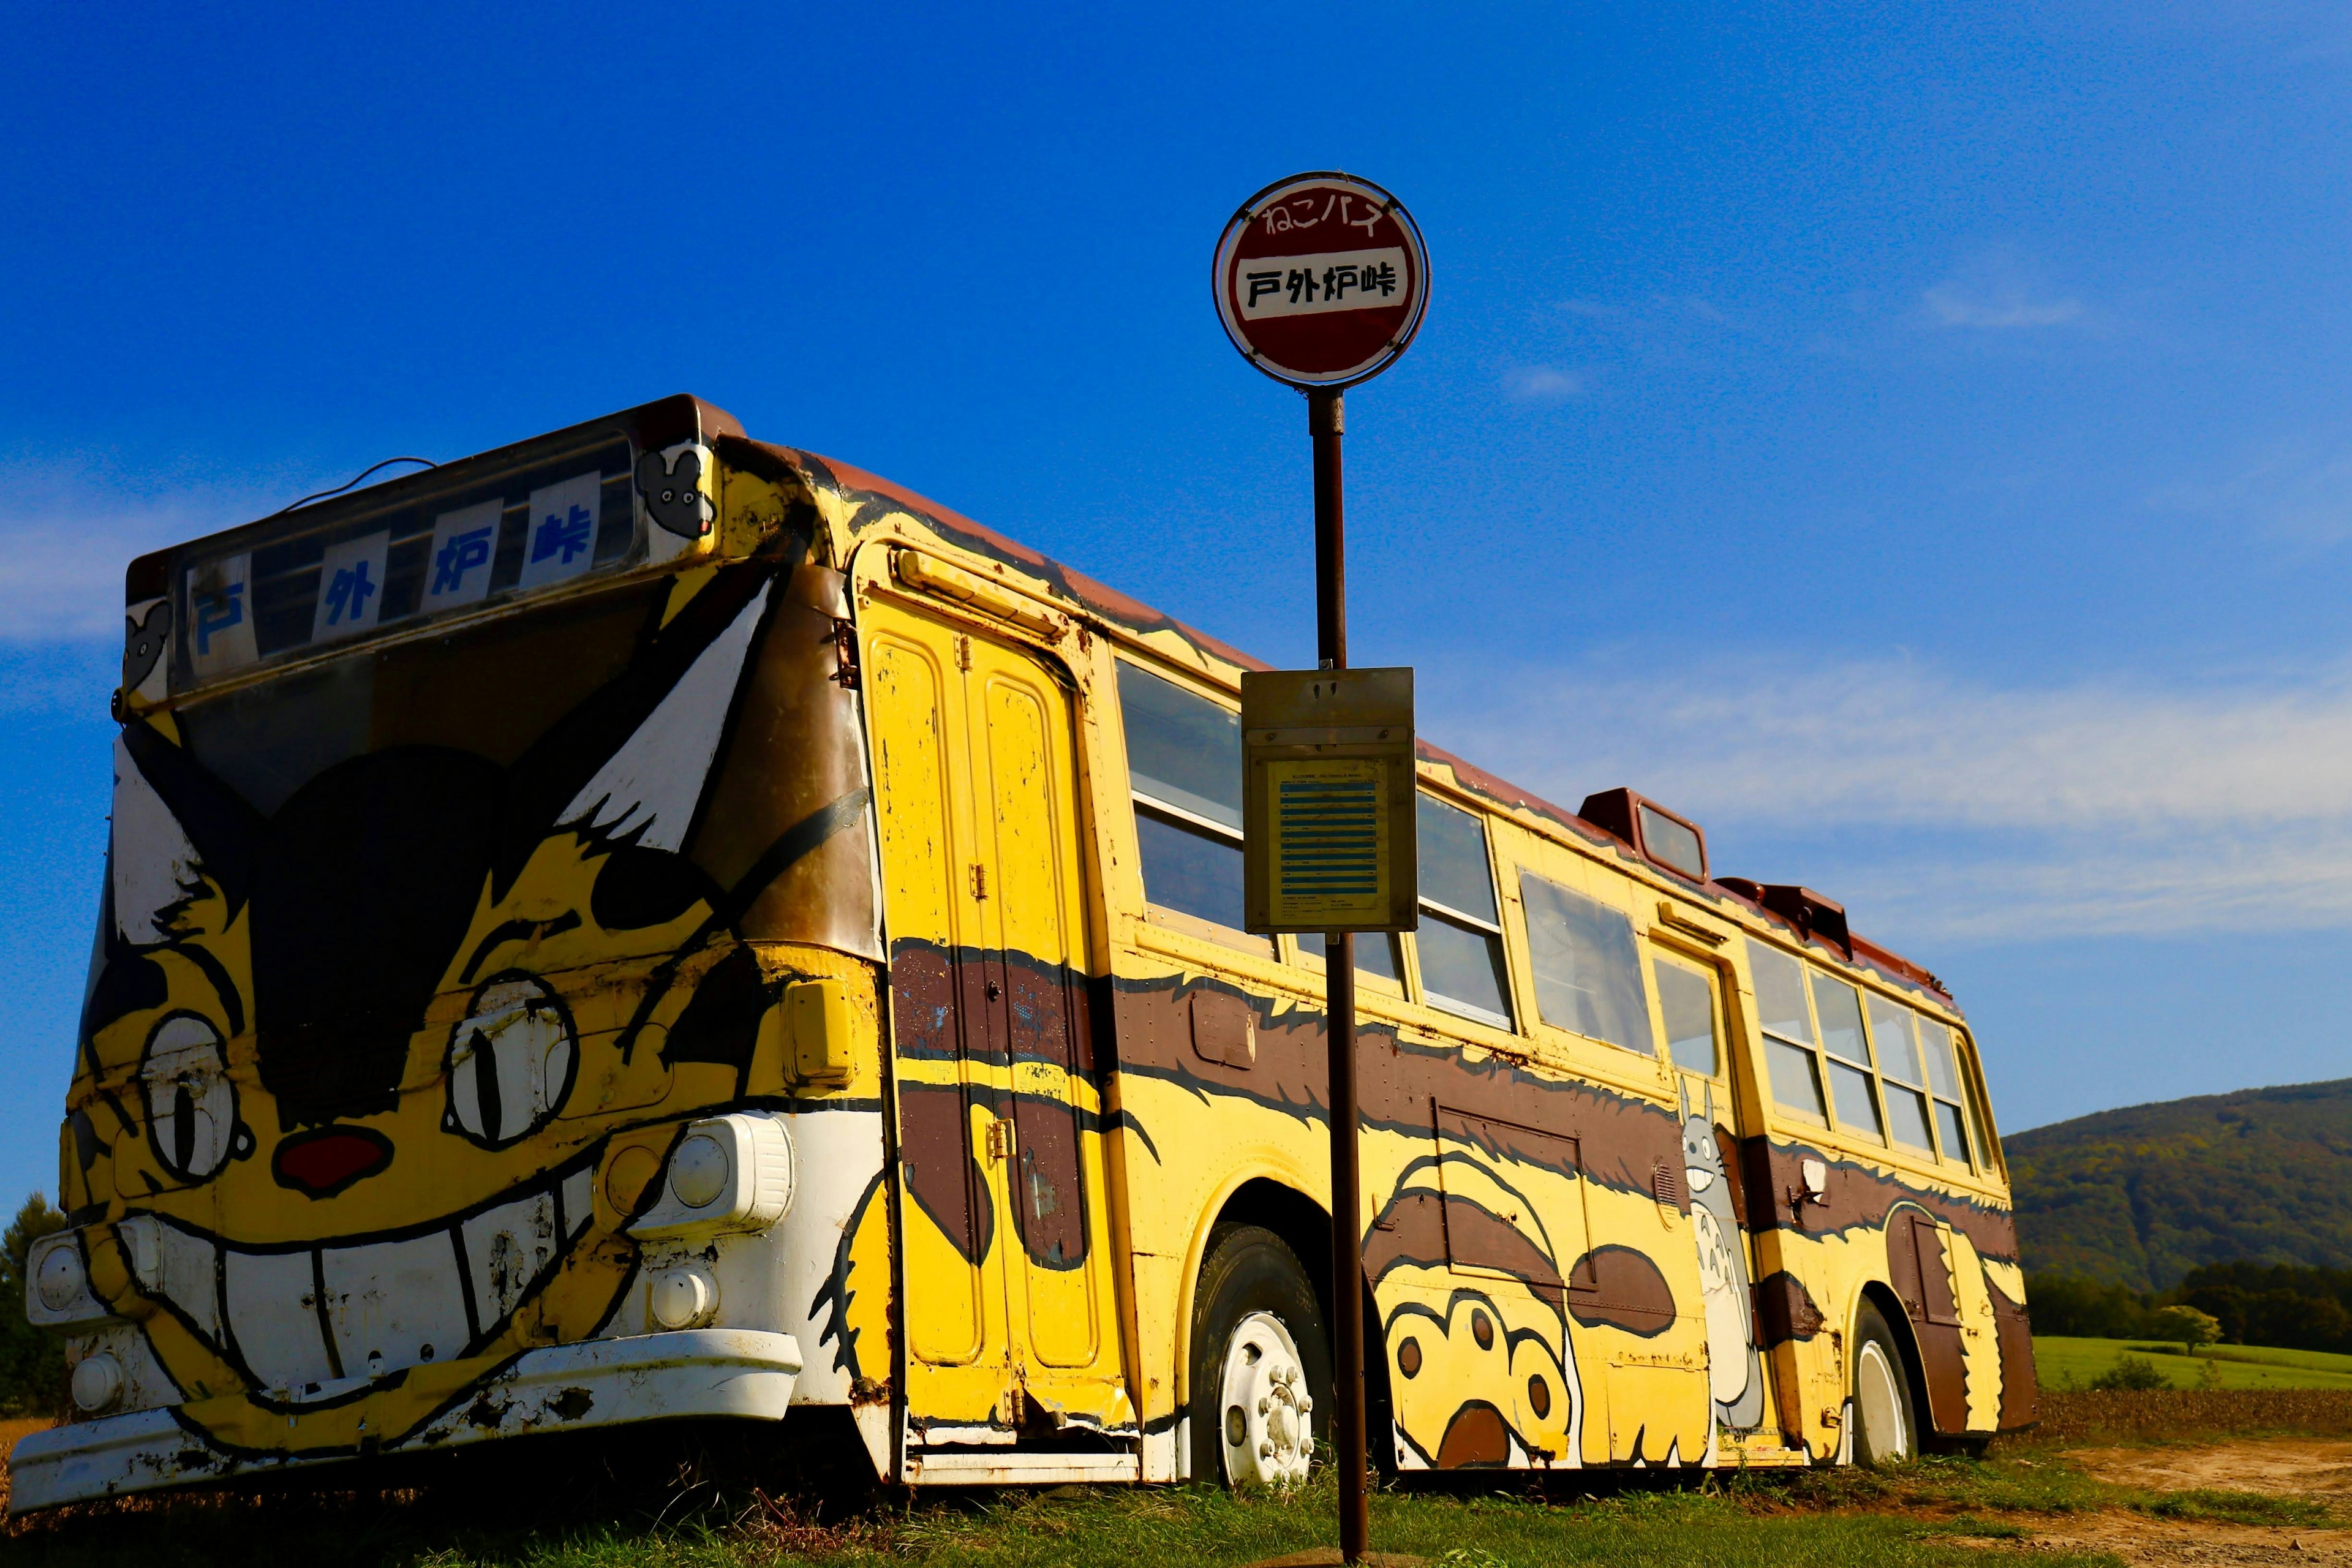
[
  {"x": 2087, "y": 1309},
  {"x": 2189, "y": 1326},
  {"x": 32, "y": 1360},
  {"x": 2134, "y": 1372}
]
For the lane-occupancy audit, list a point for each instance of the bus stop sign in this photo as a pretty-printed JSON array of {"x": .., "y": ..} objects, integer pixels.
[
  {"x": 1328, "y": 819},
  {"x": 1320, "y": 279}
]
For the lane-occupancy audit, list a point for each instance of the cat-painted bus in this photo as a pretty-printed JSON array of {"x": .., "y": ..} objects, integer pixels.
[{"x": 644, "y": 924}]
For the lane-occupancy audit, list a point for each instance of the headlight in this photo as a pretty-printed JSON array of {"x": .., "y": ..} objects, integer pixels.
[
  {"x": 57, "y": 1283},
  {"x": 728, "y": 1172},
  {"x": 60, "y": 1278},
  {"x": 96, "y": 1380}
]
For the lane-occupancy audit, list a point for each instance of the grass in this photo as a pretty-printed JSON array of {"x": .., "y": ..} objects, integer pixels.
[
  {"x": 2062, "y": 1362},
  {"x": 1734, "y": 1526},
  {"x": 558, "y": 1507}
]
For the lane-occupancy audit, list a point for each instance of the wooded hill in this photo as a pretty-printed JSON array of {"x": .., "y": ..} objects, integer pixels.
[{"x": 2139, "y": 1196}]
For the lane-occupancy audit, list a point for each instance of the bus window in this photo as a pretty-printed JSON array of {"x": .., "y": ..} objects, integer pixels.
[
  {"x": 1461, "y": 935},
  {"x": 1687, "y": 1003},
  {"x": 1850, "y": 1091},
  {"x": 1375, "y": 952},
  {"x": 1587, "y": 977},
  {"x": 1944, "y": 1082},
  {"x": 1788, "y": 1026},
  {"x": 1184, "y": 762},
  {"x": 1898, "y": 1068}
]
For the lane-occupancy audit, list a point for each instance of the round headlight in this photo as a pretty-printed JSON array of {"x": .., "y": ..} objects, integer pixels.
[
  {"x": 96, "y": 1381},
  {"x": 61, "y": 1279},
  {"x": 683, "y": 1297},
  {"x": 698, "y": 1171}
]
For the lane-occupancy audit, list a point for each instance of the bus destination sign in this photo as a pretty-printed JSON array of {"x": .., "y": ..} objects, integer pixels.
[{"x": 1320, "y": 279}]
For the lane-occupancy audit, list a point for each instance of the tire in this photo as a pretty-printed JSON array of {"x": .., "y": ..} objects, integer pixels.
[
  {"x": 1886, "y": 1422},
  {"x": 1261, "y": 1366}
]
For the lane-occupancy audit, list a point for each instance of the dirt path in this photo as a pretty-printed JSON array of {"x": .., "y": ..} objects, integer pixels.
[{"x": 2287, "y": 1467}]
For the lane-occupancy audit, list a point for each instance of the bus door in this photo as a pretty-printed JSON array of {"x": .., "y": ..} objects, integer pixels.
[
  {"x": 1005, "y": 1287},
  {"x": 1718, "y": 1113}
]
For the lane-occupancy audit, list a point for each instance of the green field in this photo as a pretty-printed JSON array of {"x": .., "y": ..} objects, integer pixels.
[{"x": 2063, "y": 1362}]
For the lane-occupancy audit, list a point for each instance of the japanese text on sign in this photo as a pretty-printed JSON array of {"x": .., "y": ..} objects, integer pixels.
[{"x": 1308, "y": 285}]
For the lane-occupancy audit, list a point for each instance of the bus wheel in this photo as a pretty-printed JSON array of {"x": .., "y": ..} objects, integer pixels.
[
  {"x": 1885, "y": 1426},
  {"x": 1261, "y": 1384}
]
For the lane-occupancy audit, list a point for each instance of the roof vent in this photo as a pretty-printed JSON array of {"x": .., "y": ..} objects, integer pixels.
[
  {"x": 1658, "y": 834},
  {"x": 1808, "y": 911}
]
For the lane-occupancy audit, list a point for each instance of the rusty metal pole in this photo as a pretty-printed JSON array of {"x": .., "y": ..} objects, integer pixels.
[{"x": 1326, "y": 420}]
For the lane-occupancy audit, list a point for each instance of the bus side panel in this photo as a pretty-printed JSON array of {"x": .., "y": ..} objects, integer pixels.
[
  {"x": 1950, "y": 1260},
  {"x": 1506, "y": 1313}
]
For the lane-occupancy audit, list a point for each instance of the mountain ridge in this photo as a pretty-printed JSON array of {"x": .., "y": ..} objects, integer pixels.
[{"x": 2141, "y": 1195}]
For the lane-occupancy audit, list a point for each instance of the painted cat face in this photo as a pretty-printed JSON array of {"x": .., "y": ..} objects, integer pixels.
[{"x": 351, "y": 1071}]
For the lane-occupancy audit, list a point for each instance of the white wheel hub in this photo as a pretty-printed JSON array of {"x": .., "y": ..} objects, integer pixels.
[
  {"x": 1878, "y": 1403},
  {"x": 1269, "y": 1437}
]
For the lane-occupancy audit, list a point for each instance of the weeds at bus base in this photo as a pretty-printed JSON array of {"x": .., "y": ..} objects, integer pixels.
[{"x": 1934, "y": 1513}]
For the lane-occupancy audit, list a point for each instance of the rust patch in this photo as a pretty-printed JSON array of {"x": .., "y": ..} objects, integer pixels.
[
  {"x": 1785, "y": 1310},
  {"x": 1622, "y": 1288}
]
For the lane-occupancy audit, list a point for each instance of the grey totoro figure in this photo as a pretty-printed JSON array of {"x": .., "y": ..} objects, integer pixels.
[
  {"x": 1734, "y": 1372},
  {"x": 674, "y": 497},
  {"x": 143, "y": 642}
]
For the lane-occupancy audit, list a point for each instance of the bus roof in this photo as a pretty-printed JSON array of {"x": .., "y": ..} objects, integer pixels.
[
  {"x": 851, "y": 499},
  {"x": 865, "y": 498}
]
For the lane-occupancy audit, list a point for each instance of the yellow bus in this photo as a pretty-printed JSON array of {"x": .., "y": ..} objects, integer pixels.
[{"x": 644, "y": 924}]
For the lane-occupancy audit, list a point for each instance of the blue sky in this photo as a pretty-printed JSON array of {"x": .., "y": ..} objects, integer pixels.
[{"x": 1912, "y": 440}]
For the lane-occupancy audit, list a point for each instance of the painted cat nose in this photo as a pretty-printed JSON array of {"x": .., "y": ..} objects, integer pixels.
[{"x": 323, "y": 1162}]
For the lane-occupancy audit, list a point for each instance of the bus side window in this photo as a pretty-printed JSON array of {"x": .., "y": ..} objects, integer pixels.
[
  {"x": 1898, "y": 1068},
  {"x": 1184, "y": 764},
  {"x": 1687, "y": 1003},
  {"x": 1944, "y": 1083},
  {"x": 1461, "y": 935},
  {"x": 1587, "y": 975},
  {"x": 1839, "y": 1007},
  {"x": 1787, "y": 1021}
]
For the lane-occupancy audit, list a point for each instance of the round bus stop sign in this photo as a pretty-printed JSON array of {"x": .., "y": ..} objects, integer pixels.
[{"x": 1320, "y": 279}]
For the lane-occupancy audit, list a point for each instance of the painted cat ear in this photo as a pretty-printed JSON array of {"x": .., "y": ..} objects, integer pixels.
[
  {"x": 646, "y": 792},
  {"x": 151, "y": 862}
]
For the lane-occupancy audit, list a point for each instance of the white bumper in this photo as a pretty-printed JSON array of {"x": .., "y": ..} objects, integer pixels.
[{"x": 564, "y": 1388}]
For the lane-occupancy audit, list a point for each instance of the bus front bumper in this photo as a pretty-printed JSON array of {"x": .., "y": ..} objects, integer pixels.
[{"x": 563, "y": 1388}]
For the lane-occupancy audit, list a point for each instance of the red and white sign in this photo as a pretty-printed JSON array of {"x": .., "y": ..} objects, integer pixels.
[{"x": 1321, "y": 279}]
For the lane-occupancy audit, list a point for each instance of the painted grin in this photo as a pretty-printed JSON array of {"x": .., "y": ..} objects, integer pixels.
[{"x": 314, "y": 1323}]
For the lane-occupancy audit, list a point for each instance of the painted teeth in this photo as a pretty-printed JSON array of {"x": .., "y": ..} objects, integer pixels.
[{"x": 312, "y": 1323}]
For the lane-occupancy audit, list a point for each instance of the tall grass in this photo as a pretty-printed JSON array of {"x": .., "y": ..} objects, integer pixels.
[{"x": 2171, "y": 1415}]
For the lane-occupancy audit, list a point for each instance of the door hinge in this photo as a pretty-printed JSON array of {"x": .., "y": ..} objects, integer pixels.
[
  {"x": 999, "y": 1140},
  {"x": 963, "y": 653},
  {"x": 979, "y": 881},
  {"x": 845, "y": 654}
]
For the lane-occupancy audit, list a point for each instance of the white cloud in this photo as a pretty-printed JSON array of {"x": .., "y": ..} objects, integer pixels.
[
  {"x": 1995, "y": 291},
  {"x": 1960, "y": 810},
  {"x": 2298, "y": 488},
  {"x": 65, "y": 539},
  {"x": 1952, "y": 307},
  {"x": 1543, "y": 383}
]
